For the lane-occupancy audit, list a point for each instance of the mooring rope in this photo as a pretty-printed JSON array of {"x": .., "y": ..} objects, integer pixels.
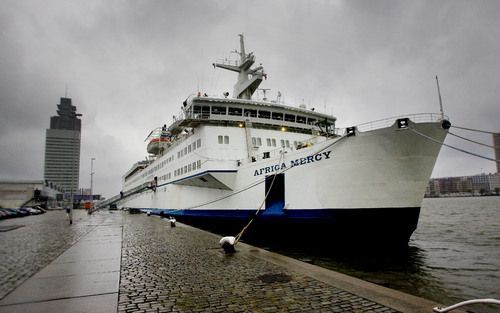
[
  {"x": 452, "y": 147},
  {"x": 470, "y": 140},
  {"x": 474, "y": 130},
  {"x": 237, "y": 238}
]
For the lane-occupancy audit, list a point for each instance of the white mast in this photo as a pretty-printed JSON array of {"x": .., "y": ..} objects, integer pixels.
[
  {"x": 248, "y": 79},
  {"x": 440, "y": 101}
]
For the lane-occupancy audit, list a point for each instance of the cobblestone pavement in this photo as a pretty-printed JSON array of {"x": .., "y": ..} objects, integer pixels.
[
  {"x": 178, "y": 269},
  {"x": 27, "y": 249}
]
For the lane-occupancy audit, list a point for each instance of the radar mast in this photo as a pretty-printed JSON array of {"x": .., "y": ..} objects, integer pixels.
[{"x": 248, "y": 79}]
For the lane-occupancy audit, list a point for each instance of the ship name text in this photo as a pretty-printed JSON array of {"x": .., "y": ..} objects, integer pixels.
[{"x": 297, "y": 162}]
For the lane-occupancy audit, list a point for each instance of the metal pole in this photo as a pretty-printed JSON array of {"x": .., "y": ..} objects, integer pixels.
[
  {"x": 440, "y": 101},
  {"x": 72, "y": 184},
  {"x": 92, "y": 177}
]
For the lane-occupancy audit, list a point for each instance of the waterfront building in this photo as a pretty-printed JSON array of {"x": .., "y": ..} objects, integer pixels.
[
  {"x": 494, "y": 182},
  {"x": 496, "y": 144},
  {"x": 62, "y": 148},
  {"x": 432, "y": 189},
  {"x": 16, "y": 193},
  {"x": 482, "y": 184}
]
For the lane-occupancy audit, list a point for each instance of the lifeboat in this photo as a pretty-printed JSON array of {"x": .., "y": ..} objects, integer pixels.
[{"x": 158, "y": 144}]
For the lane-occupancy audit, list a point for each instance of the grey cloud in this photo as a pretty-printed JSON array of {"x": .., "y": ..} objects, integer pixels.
[{"x": 129, "y": 65}]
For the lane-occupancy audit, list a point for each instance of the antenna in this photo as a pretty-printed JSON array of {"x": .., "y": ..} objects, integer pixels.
[
  {"x": 66, "y": 91},
  {"x": 278, "y": 98},
  {"x": 440, "y": 101},
  {"x": 264, "y": 90}
]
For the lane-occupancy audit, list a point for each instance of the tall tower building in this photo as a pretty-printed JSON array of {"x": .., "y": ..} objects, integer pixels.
[
  {"x": 496, "y": 144},
  {"x": 62, "y": 147}
]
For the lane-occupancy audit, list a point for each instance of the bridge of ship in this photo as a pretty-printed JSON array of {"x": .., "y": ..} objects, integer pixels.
[{"x": 237, "y": 112}]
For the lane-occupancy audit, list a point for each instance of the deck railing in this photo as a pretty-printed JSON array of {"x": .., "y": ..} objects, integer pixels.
[{"x": 386, "y": 122}]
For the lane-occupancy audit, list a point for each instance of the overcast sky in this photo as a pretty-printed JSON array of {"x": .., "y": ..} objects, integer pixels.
[{"x": 129, "y": 65}]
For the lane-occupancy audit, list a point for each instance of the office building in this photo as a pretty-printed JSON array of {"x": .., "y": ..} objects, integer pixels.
[
  {"x": 62, "y": 148},
  {"x": 496, "y": 144}
]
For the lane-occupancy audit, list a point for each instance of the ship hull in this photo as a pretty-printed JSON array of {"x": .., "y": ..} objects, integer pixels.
[
  {"x": 362, "y": 188},
  {"x": 377, "y": 226}
]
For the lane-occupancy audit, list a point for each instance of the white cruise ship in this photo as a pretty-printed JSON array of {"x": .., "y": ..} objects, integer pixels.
[{"x": 224, "y": 161}]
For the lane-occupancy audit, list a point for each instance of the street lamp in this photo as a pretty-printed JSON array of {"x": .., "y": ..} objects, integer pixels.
[{"x": 92, "y": 177}]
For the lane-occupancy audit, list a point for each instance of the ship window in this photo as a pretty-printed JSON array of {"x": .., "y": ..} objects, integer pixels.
[
  {"x": 221, "y": 139},
  {"x": 198, "y": 163},
  {"x": 194, "y": 166},
  {"x": 254, "y": 141},
  {"x": 185, "y": 168},
  {"x": 250, "y": 113},
  {"x": 235, "y": 111},
  {"x": 185, "y": 150},
  {"x": 301, "y": 119},
  {"x": 274, "y": 142},
  {"x": 311, "y": 121},
  {"x": 197, "y": 109},
  {"x": 289, "y": 118},
  {"x": 189, "y": 167},
  {"x": 205, "y": 111},
  {"x": 264, "y": 114},
  {"x": 198, "y": 143},
  {"x": 189, "y": 149},
  {"x": 268, "y": 140},
  {"x": 219, "y": 110},
  {"x": 178, "y": 154},
  {"x": 287, "y": 143},
  {"x": 259, "y": 141},
  {"x": 277, "y": 116},
  {"x": 226, "y": 140},
  {"x": 282, "y": 143},
  {"x": 194, "y": 145}
]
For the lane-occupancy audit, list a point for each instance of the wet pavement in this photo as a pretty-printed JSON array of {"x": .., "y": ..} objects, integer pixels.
[
  {"x": 117, "y": 262},
  {"x": 35, "y": 241}
]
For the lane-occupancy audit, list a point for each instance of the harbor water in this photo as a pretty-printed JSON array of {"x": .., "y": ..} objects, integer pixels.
[{"x": 454, "y": 255}]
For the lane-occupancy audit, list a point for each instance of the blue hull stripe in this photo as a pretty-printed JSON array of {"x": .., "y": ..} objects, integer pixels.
[{"x": 296, "y": 214}]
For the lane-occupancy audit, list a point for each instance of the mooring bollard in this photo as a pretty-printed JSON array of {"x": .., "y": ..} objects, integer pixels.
[{"x": 227, "y": 243}]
